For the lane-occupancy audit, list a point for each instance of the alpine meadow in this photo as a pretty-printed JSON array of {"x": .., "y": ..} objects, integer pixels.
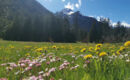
[{"x": 64, "y": 40}]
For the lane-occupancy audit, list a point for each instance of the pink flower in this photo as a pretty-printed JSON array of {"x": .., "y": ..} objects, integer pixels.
[
  {"x": 52, "y": 70},
  {"x": 3, "y": 64},
  {"x": 3, "y": 79},
  {"x": 33, "y": 78},
  {"x": 40, "y": 77},
  {"x": 28, "y": 68},
  {"x": 22, "y": 65},
  {"x": 12, "y": 65},
  {"x": 48, "y": 62},
  {"x": 52, "y": 79},
  {"x": 38, "y": 64}
]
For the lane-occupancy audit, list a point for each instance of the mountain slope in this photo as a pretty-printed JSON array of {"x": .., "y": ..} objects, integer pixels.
[
  {"x": 84, "y": 22},
  {"x": 22, "y": 9}
]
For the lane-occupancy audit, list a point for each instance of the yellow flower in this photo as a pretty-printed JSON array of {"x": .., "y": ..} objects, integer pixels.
[
  {"x": 97, "y": 48},
  {"x": 122, "y": 48},
  {"x": 39, "y": 49},
  {"x": 118, "y": 52},
  {"x": 90, "y": 49},
  {"x": 102, "y": 54},
  {"x": 127, "y": 44},
  {"x": 99, "y": 45},
  {"x": 27, "y": 46},
  {"x": 54, "y": 46},
  {"x": 83, "y": 50},
  {"x": 88, "y": 56},
  {"x": 11, "y": 46},
  {"x": 27, "y": 54}
]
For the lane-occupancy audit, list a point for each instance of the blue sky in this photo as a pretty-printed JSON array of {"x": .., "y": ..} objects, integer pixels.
[{"x": 116, "y": 10}]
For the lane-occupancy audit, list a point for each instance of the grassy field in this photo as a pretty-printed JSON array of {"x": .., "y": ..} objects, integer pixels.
[{"x": 64, "y": 61}]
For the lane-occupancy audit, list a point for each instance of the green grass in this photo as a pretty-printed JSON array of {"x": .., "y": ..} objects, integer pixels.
[{"x": 98, "y": 68}]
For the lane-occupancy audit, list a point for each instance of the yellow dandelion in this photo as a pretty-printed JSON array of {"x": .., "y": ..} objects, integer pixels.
[
  {"x": 122, "y": 48},
  {"x": 88, "y": 56},
  {"x": 99, "y": 45},
  {"x": 27, "y": 54},
  {"x": 102, "y": 54},
  {"x": 11, "y": 47},
  {"x": 118, "y": 52},
  {"x": 97, "y": 48},
  {"x": 90, "y": 49},
  {"x": 27, "y": 46},
  {"x": 39, "y": 49},
  {"x": 54, "y": 47},
  {"x": 83, "y": 50},
  {"x": 127, "y": 44}
]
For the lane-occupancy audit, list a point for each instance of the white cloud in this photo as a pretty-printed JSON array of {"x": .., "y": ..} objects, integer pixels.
[
  {"x": 125, "y": 24},
  {"x": 77, "y": 5},
  {"x": 69, "y": 6},
  {"x": 80, "y": 2},
  {"x": 73, "y": 5},
  {"x": 122, "y": 23},
  {"x": 63, "y": 0}
]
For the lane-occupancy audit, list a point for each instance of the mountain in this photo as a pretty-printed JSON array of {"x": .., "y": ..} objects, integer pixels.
[
  {"x": 84, "y": 22},
  {"x": 28, "y": 20},
  {"x": 22, "y": 9}
]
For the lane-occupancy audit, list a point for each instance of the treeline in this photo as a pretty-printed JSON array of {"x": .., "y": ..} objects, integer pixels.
[
  {"x": 54, "y": 28},
  {"x": 47, "y": 28},
  {"x": 105, "y": 32}
]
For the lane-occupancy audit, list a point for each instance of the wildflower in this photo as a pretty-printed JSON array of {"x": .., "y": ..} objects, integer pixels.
[
  {"x": 87, "y": 61},
  {"x": 88, "y": 56},
  {"x": 127, "y": 44},
  {"x": 3, "y": 79},
  {"x": 28, "y": 68},
  {"x": 54, "y": 47},
  {"x": 90, "y": 49},
  {"x": 33, "y": 78},
  {"x": 48, "y": 62},
  {"x": 52, "y": 79},
  {"x": 39, "y": 49},
  {"x": 74, "y": 67},
  {"x": 27, "y": 54},
  {"x": 64, "y": 65},
  {"x": 99, "y": 45},
  {"x": 9, "y": 68},
  {"x": 102, "y": 54},
  {"x": 118, "y": 52},
  {"x": 122, "y": 48},
  {"x": 97, "y": 48},
  {"x": 27, "y": 46},
  {"x": 12, "y": 47},
  {"x": 52, "y": 70},
  {"x": 83, "y": 50},
  {"x": 41, "y": 72},
  {"x": 38, "y": 64},
  {"x": 12, "y": 65}
]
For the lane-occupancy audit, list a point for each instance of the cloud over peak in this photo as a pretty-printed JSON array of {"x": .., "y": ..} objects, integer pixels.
[{"x": 73, "y": 5}]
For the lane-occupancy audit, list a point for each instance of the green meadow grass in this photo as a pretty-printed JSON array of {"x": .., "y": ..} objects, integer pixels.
[{"x": 98, "y": 68}]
